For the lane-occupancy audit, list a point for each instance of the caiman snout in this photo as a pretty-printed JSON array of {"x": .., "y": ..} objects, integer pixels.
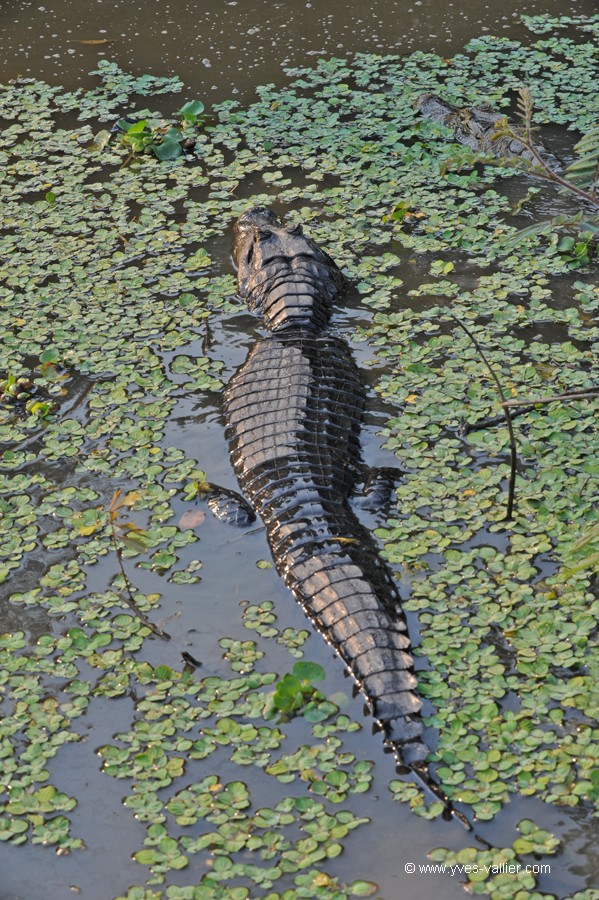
[{"x": 247, "y": 227}]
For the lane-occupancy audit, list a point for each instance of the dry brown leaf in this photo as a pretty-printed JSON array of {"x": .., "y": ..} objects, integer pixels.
[{"x": 192, "y": 518}]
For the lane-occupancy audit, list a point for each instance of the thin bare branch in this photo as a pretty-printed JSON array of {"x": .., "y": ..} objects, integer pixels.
[
  {"x": 521, "y": 407},
  {"x": 507, "y": 416},
  {"x": 129, "y": 599},
  {"x": 585, "y": 394}
]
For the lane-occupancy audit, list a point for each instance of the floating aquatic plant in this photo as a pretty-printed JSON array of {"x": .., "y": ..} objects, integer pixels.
[{"x": 296, "y": 695}]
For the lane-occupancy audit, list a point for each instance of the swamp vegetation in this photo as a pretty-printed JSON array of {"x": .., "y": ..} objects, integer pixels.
[{"x": 114, "y": 280}]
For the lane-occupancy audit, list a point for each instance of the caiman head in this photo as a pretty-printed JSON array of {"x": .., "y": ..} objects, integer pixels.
[
  {"x": 282, "y": 274},
  {"x": 433, "y": 107}
]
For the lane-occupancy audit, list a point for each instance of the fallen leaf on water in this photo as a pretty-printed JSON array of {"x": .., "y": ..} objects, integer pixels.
[
  {"x": 97, "y": 41},
  {"x": 100, "y": 140},
  {"x": 191, "y": 518}
]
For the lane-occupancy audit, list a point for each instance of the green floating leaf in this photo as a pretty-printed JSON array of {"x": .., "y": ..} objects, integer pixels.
[
  {"x": 308, "y": 671},
  {"x": 167, "y": 149},
  {"x": 146, "y": 857},
  {"x": 319, "y": 711},
  {"x": 50, "y": 355},
  {"x": 192, "y": 108},
  {"x": 363, "y": 888},
  {"x": 163, "y": 673}
]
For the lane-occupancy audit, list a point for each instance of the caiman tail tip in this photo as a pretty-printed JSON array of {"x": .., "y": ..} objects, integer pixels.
[
  {"x": 411, "y": 754},
  {"x": 420, "y": 770}
]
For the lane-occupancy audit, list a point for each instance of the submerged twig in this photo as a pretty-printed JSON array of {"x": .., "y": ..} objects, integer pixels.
[
  {"x": 207, "y": 338},
  {"x": 492, "y": 421}
]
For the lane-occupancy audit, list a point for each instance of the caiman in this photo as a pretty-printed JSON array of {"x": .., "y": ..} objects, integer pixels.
[
  {"x": 294, "y": 411},
  {"x": 476, "y": 128}
]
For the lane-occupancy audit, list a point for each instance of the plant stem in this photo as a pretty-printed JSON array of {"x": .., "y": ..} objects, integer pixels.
[
  {"x": 130, "y": 599},
  {"x": 527, "y": 106},
  {"x": 507, "y": 416},
  {"x": 550, "y": 175}
]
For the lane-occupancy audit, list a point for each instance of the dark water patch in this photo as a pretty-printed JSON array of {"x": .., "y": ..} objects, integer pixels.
[
  {"x": 34, "y": 621},
  {"x": 227, "y": 51}
]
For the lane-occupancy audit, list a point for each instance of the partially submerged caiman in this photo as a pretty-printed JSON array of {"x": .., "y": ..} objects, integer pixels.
[
  {"x": 475, "y": 127},
  {"x": 293, "y": 412}
]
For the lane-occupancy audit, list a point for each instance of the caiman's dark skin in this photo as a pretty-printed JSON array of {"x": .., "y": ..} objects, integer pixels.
[{"x": 294, "y": 411}]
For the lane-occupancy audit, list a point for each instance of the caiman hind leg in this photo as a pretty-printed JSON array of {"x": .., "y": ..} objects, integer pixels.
[
  {"x": 379, "y": 484},
  {"x": 228, "y": 506}
]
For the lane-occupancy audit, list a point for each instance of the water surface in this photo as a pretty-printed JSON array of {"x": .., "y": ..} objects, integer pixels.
[{"x": 225, "y": 49}]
